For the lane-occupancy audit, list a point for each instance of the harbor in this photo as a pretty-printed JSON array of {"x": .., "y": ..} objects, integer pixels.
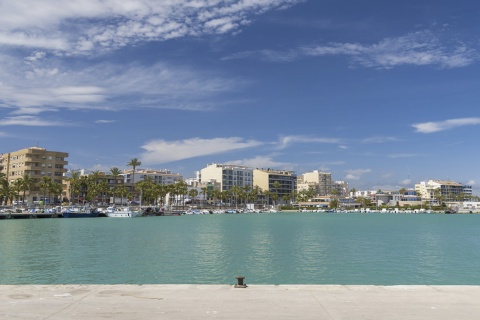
[{"x": 268, "y": 249}]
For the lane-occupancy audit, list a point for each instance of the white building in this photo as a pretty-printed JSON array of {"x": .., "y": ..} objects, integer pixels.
[
  {"x": 164, "y": 177},
  {"x": 227, "y": 175},
  {"x": 320, "y": 182},
  {"x": 448, "y": 190}
]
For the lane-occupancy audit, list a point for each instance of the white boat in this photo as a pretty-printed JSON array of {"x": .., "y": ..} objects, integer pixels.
[{"x": 114, "y": 212}]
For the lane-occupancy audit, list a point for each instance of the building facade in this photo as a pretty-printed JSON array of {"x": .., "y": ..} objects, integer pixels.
[
  {"x": 320, "y": 182},
  {"x": 447, "y": 190},
  {"x": 280, "y": 182},
  {"x": 228, "y": 176},
  {"x": 37, "y": 163},
  {"x": 164, "y": 177}
]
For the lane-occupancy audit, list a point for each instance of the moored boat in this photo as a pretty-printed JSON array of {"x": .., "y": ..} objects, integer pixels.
[
  {"x": 114, "y": 212},
  {"x": 80, "y": 212}
]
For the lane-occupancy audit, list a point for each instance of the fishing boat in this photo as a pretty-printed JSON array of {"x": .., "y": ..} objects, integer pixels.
[
  {"x": 114, "y": 212},
  {"x": 80, "y": 212}
]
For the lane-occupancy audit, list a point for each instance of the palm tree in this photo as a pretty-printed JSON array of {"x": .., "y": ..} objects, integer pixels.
[
  {"x": 115, "y": 172},
  {"x": 56, "y": 189},
  {"x": 27, "y": 183},
  {"x": 17, "y": 188},
  {"x": 193, "y": 193},
  {"x": 75, "y": 185},
  {"x": 204, "y": 192},
  {"x": 134, "y": 163},
  {"x": 44, "y": 185},
  {"x": 122, "y": 192}
]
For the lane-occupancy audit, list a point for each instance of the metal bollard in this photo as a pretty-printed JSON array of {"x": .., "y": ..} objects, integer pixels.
[{"x": 240, "y": 283}]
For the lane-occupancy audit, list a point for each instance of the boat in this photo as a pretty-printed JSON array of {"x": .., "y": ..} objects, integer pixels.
[
  {"x": 80, "y": 212},
  {"x": 114, "y": 212}
]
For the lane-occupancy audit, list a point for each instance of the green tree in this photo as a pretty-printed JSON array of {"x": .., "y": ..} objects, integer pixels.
[
  {"x": 134, "y": 163},
  {"x": 193, "y": 193},
  {"x": 44, "y": 185},
  {"x": 115, "y": 172}
]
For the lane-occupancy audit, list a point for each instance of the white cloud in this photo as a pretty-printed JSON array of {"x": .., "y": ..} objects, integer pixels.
[
  {"x": 406, "y": 182},
  {"x": 356, "y": 174},
  {"x": 80, "y": 26},
  {"x": 30, "y": 121},
  {"x": 27, "y": 88},
  {"x": 105, "y": 121},
  {"x": 471, "y": 183},
  {"x": 430, "y": 127},
  {"x": 380, "y": 139},
  {"x": 419, "y": 48},
  {"x": 262, "y": 162},
  {"x": 162, "y": 151},
  {"x": 286, "y": 141}
]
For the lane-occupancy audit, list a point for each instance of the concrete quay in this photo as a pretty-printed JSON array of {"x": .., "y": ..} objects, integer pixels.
[{"x": 55, "y": 302}]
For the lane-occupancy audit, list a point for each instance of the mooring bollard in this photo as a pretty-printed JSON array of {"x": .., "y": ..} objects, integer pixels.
[{"x": 240, "y": 283}]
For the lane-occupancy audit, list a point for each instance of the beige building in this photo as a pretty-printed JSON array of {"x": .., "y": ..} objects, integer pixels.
[
  {"x": 320, "y": 182},
  {"x": 447, "y": 190},
  {"x": 227, "y": 175},
  {"x": 268, "y": 179},
  {"x": 37, "y": 163}
]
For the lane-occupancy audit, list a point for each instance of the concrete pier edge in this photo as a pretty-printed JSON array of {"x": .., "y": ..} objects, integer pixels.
[{"x": 78, "y": 301}]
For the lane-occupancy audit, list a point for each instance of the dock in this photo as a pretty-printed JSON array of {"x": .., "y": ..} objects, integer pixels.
[{"x": 329, "y": 302}]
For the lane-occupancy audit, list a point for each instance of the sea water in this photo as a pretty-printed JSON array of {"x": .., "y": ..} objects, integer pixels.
[{"x": 273, "y": 248}]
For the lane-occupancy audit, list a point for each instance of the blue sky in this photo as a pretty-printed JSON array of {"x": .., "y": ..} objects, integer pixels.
[{"x": 382, "y": 94}]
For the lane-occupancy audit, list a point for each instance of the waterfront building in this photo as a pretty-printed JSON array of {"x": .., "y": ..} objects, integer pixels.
[
  {"x": 38, "y": 163},
  {"x": 341, "y": 187},
  {"x": 105, "y": 179},
  {"x": 432, "y": 190},
  {"x": 227, "y": 175},
  {"x": 282, "y": 183},
  {"x": 320, "y": 182},
  {"x": 165, "y": 177}
]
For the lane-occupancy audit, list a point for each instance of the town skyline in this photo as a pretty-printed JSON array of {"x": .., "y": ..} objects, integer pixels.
[{"x": 381, "y": 94}]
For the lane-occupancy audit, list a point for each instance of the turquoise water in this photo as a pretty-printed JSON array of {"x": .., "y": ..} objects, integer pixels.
[{"x": 283, "y": 248}]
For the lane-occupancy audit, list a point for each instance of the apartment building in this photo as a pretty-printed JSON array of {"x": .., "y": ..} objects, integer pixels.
[
  {"x": 227, "y": 175},
  {"x": 448, "y": 190},
  {"x": 280, "y": 182},
  {"x": 164, "y": 177},
  {"x": 37, "y": 163},
  {"x": 320, "y": 182}
]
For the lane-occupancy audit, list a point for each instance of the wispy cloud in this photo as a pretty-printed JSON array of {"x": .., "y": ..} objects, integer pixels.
[
  {"x": 286, "y": 141},
  {"x": 105, "y": 121},
  {"x": 431, "y": 127},
  {"x": 262, "y": 162},
  {"x": 356, "y": 174},
  {"x": 84, "y": 26},
  {"x": 162, "y": 151},
  {"x": 45, "y": 83},
  {"x": 402, "y": 155},
  {"x": 380, "y": 139},
  {"x": 30, "y": 121},
  {"x": 419, "y": 48}
]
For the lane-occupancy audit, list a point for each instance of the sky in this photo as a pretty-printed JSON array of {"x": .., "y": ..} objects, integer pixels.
[{"x": 383, "y": 94}]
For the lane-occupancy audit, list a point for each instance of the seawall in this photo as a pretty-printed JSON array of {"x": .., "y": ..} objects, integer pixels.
[{"x": 55, "y": 302}]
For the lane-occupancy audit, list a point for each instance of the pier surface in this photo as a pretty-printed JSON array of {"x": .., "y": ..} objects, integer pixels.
[{"x": 55, "y": 302}]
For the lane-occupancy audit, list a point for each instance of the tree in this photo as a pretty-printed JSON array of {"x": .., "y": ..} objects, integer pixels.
[
  {"x": 193, "y": 193},
  {"x": 75, "y": 185},
  {"x": 115, "y": 172},
  {"x": 134, "y": 163},
  {"x": 44, "y": 185},
  {"x": 204, "y": 192},
  {"x": 27, "y": 183},
  {"x": 56, "y": 190},
  {"x": 17, "y": 188}
]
